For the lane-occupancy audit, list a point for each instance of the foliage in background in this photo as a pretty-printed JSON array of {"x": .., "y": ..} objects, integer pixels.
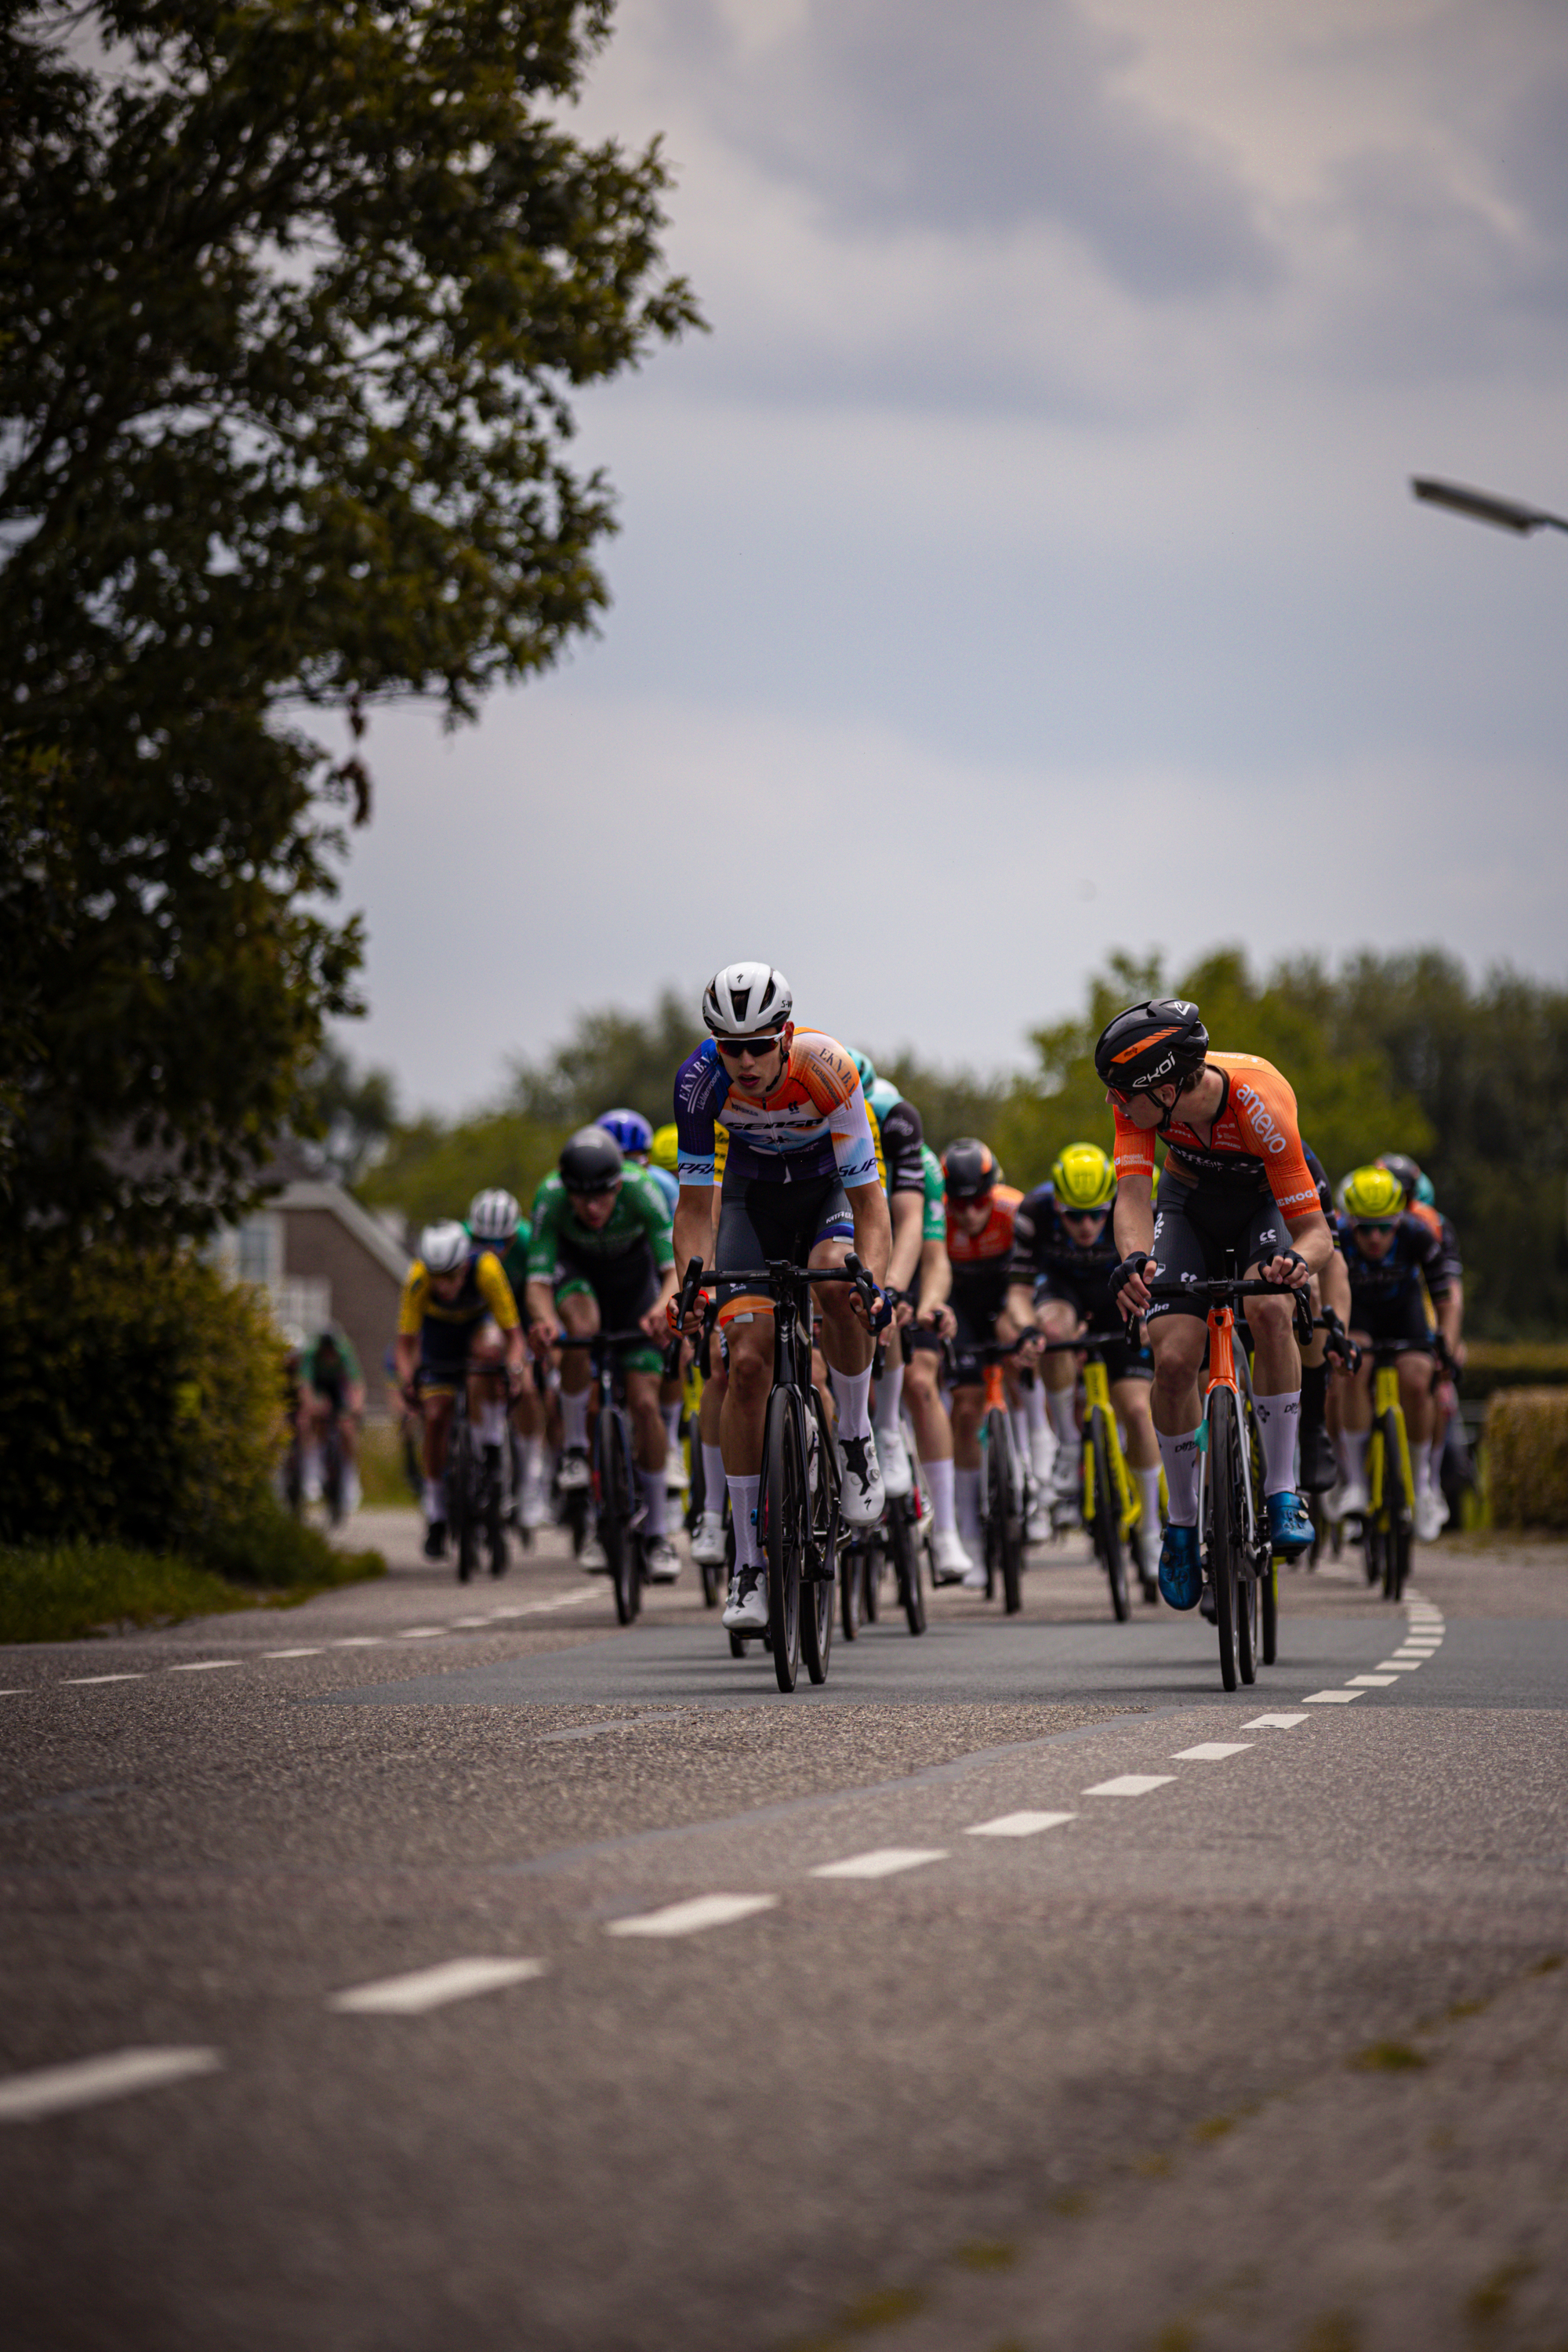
[
  {"x": 1392, "y": 1053},
  {"x": 61, "y": 1593},
  {"x": 293, "y": 304},
  {"x": 344, "y": 1115},
  {"x": 1526, "y": 1438}
]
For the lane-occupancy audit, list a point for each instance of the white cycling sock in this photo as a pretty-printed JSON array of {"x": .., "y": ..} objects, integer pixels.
[
  {"x": 310, "y": 1466},
  {"x": 1020, "y": 1420},
  {"x": 1062, "y": 1406},
  {"x": 492, "y": 1422},
  {"x": 938, "y": 1478},
  {"x": 534, "y": 1459},
  {"x": 1034, "y": 1405},
  {"x": 1278, "y": 1419},
  {"x": 1149, "y": 1486},
  {"x": 852, "y": 1395},
  {"x": 713, "y": 1478},
  {"x": 435, "y": 1499},
  {"x": 1421, "y": 1464},
  {"x": 574, "y": 1418},
  {"x": 1180, "y": 1456},
  {"x": 1352, "y": 1454},
  {"x": 670, "y": 1415},
  {"x": 890, "y": 1391},
  {"x": 652, "y": 1485},
  {"x": 966, "y": 1487},
  {"x": 743, "y": 1494}
]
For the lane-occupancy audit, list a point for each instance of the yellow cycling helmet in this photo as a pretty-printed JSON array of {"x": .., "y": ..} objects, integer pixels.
[
  {"x": 663, "y": 1151},
  {"x": 1373, "y": 1195},
  {"x": 1083, "y": 1178}
]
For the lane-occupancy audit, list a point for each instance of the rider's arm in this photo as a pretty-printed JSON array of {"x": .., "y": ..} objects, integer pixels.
[
  {"x": 907, "y": 1210},
  {"x": 873, "y": 1228},
  {"x": 936, "y": 1279},
  {"x": 1311, "y": 1239},
  {"x": 694, "y": 1223},
  {"x": 410, "y": 1322},
  {"x": 1133, "y": 1217}
]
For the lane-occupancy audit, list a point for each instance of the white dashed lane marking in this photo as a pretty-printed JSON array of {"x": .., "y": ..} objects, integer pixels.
[
  {"x": 423, "y": 1633},
  {"x": 1018, "y": 1824},
  {"x": 203, "y": 1665},
  {"x": 51, "y": 2090},
  {"x": 690, "y": 1919},
  {"x": 1330, "y": 1698},
  {"x": 84, "y": 1682},
  {"x": 1399, "y": 1665},
  {"x": 292, "y": 1653},
  {"x": 1131, "y": 1784},
  {"x": 358, "y": 1642},
  {"x": 1274, "y": 1722},
  {"x": 882, "y": 1862},
  {"x": 423, "y": 1989},
  {"x": 1373, "y": 1682},
  {"x": 1211, "y": 1751}
]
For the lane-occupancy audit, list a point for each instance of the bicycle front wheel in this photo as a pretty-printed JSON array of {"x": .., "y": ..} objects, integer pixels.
[
  {"x": 1396, "y": 1507},
  {"x": 824, "y": 1530},
  {"x": 786, "y": 1529},
  {"x": 1268, "y": 1598},
  {"x": 1002, "y": 1511},
  {"x": 1224, "y": 1528},
  {"x": 906, "y": 1541},
  {"x": 617, "y": 1483},
  {"x": 1108, "y": 1541}
]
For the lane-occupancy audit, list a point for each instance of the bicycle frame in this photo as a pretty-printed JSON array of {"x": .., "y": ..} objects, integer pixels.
[
  {"x": 1385, "y": 1398},
  {"x": 1227, "y": 1368},
  {"x": 1127, "y": 1500}
]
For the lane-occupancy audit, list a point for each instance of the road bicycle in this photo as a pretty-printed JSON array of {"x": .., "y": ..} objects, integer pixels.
[
  {"x": 618, "y": 1507},
  {"x": 901, "y": 1536},
  {"x": 1388, "y": 1523},
  {"x": 1112, "y": 1505},
  {"x": 332, "y": 1468},
  {"x": 1233, "y": 1516},
  {"x": 799, "y": 1525},
  {"x": 472, "y": 1480},
  {"x": 1004, "y": 1482}
]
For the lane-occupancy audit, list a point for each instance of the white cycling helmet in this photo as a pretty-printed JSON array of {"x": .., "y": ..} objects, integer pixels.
[
  {"x": 747, "y": 1000},
  {"x": 494, "y": 1216},
  {"x": 444, "y": 1247}
]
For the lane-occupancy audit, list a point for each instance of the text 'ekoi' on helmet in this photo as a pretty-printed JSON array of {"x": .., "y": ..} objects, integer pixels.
[{"x": 1159, "y": 1044}]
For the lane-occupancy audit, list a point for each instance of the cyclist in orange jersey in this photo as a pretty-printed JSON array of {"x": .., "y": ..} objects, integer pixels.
[{"x": 1234, "y": 1179}]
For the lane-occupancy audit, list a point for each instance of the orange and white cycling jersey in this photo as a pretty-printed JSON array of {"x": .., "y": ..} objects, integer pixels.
[
  {"x": 991, "y": 1249},
  {"x": 813, "y": 1124},
  {"x": 1255, "y": 1139}
]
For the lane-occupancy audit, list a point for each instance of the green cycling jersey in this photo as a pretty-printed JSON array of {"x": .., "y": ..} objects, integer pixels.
[{"x": 639, "y": 1218}]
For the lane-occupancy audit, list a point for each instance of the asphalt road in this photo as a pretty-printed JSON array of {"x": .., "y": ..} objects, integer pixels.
[{"x": 432, "y": 1965}]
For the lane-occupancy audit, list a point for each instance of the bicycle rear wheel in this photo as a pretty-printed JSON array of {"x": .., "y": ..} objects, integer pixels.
[
  {"x": 849, "y": 1589},
  {"x": 1003, "y": 1509},
  {"x": 1108, "y": 1541},
  {"x": 822, "y": 1490},
  {"x": 785, "y": 1517},
  {"x": 1225, "y": 1530},
  {"x": 615, "y": 1480},
  {"x": 1268, "y": 1598},
  {"x": 906, "y": 1544},
  {"x": 462, "y": 1514},
  {"x": 1396, "y": 1511}
]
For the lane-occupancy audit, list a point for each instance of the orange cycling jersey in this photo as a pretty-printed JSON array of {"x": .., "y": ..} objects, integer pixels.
[
  {"x": 992, "y": 1247},
  {"x": 1255, "y": 1139}
]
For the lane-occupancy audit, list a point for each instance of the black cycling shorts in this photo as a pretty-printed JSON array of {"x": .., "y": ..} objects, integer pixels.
[
  {"x": 1196, "y": 1225},
  {"x": 977, "y": 1301},
  {"x": 1391, "y": 1315},
  {"x": 1126, "y": 1359},
  {"x": 759, "y": 1220},
  {"x": 445, "y": 1347},
  {"x": 625, "y": 1287}
]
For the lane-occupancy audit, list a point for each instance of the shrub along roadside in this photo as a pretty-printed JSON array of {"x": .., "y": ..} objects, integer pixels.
[
  {"x": 62, "y": 1592},
  {"x": 1526, "y": 1440}
]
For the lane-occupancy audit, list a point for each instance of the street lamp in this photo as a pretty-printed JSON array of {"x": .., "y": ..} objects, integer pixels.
[{"x": 1507, "y": 514}]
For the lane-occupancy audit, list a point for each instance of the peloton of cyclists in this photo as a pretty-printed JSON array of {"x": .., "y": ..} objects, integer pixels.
[
  {"x": 992, "y": 1300},
  {"x": 1234, "y": 1179},
  {"x": 601, "y": 1259},
  {"x": 452, "y": 1289},
  {"x": 635, "y": 1135},
  {"x": 496, "y": 1222},
  {"x": 799, "y": 1183},
  {"x": 1396, "y": 1262}
]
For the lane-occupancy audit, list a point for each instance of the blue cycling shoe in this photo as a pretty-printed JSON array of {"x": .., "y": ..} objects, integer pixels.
[
  {"x": 1289, "y": 1528},
  {"x": 1180, "y": 1571}
]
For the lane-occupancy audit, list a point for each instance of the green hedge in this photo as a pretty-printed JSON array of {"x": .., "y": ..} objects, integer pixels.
[
  {"x": 141, "y": 1402},
  {"x": 1492, "y": 1364},
  {"x": 1526, "y": 1439},
  {"x": 61, "y": 1593}
]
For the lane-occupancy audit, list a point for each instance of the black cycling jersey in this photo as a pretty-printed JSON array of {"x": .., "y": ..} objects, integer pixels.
[
  {"x": 1416, "y": 1252},
  {"x": 1042, "y": 1243},
  {"x": 903, "y": 1136}
]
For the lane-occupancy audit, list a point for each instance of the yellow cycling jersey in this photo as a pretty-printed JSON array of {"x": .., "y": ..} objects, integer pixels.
[{"x": 485, "y": 1291}]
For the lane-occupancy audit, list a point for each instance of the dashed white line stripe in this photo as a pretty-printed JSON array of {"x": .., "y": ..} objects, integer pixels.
[
  {"x": 1330, "y": 1698},
  {"x": 1274, "y": 1722},
  {"x": 1211, "y": 1751},
  {"x": 292, "y": 1653},
  {"x": 51, "y": 2090},
  {"x": 202, "y": 1665},
  {"x": 85, "y": 1682},
  {"x": 1018, "y": 1824},
  {"x": 1374, "y": 1681},
  {"x": 690, "y": 1918},
  {"x": 357, "y": 1642},
  {"x": 423, "y": 1633},
  {"x": 1131, "y": 1784},
  {"x": 423, "y": 1989},
  {"x": 1399, "y": 1665},
  {"x": 463, "y": 1623},
  {"x": 881, "y": 1861}
]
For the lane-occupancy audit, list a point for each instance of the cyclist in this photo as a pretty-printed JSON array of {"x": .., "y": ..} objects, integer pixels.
[
  {"x": 1331, "y": 1295},
  {"x": 601, "y": 1253},
  {"x": 991, "y": 1299},
  {"x": 1394, "y": 1262},
  {"x": 1233, "y": 1178},
  {"x": 897, "y": 1132},
  {"x": 635, "y": 1135},
  {"x": 1064, "y": 1231},
  {"x": 799, "y": 1181},
  {"x": 496, "y": 1222},
  {"x": 451, "y": 1290},
  {"x": 1420, "y": 1201},
  {"x": 330, "y": 1395}
]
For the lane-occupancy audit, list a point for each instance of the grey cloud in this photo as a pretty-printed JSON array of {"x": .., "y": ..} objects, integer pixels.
[{"x": 919, "y": 114}]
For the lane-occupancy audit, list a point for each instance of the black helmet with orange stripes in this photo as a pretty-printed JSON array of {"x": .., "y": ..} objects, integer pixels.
[
  {"x": 969, "y": 1170},
  {"x": 1160, "y": 1043}
]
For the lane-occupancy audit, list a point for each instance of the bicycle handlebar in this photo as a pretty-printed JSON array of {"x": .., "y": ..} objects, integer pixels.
[
  {"x": 636, "y": 1338},
  {"x": 1085, "y": 1341}
]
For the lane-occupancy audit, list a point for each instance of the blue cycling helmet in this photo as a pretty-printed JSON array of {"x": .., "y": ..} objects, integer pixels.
[{"x": 631, "y": 1131}]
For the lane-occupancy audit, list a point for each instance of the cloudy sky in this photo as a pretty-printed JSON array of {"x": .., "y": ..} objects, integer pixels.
[{"x": 1026, "y": 564}]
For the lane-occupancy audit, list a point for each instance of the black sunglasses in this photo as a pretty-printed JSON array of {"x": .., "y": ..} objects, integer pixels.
[{"x": 734, "y": 1048}]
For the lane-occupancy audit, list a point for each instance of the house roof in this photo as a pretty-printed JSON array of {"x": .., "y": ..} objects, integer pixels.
[{"x": 320, "y": 1192}]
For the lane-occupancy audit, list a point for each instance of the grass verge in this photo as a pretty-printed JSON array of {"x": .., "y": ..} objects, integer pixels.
[{"x": 62, "y": 1592}]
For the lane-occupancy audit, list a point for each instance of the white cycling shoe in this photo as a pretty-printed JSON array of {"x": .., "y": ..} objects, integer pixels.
[
  {"x": 591, "y": 1559},
  {"x": 534, "y": 1507},
  {"x": 1349, "y": 1500},
  {"x": 747, "y": 1610},
  {"x": 675, "y": 1476},
  {"x": 707, "y": 1544},
  {"x": 573, "y": 1473},
  {"x": 973, "y": 1579},
  {"x": 893, "y": 1454},
  {"x": 661, "y": 1560},
  {"x": 949, "y": 1563},
  {"x": 1429, "y": 1516},
  {"x": 860, "y": 1489},
  {"x": 1043, "y": 1452},
  {"x": 1067, "y": 1475}
]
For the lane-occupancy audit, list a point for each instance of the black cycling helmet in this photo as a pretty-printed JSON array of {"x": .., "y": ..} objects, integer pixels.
[
  {"x": 969, "y": 1170},
  {"x": 591, "y": 1161},
  {"x": 1160, "y": 1043},
  {"x": 1400, "y": 1164}
]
